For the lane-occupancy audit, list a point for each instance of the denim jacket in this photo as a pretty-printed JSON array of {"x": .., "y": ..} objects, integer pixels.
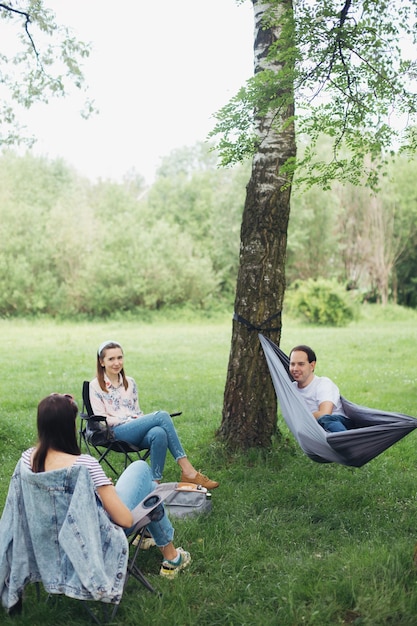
[{"x": 54, "y": 531}]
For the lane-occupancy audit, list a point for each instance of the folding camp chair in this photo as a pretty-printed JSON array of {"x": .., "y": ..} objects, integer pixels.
[
  {"x": 96, "y": 435},
  {"x": 49, "y": 535}
]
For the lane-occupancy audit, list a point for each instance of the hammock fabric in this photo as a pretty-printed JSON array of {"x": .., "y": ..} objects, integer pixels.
[{"x": 372, "y": 431}]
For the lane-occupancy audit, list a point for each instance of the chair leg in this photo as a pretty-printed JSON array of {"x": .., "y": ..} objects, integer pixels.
[
  {"x": 100, "y": 607},
  {"x": 94, "y": 616},
  {"x": 16, "y": 609},
  {"x": 133, "y": 569},
  {"x": 103, "y": 457}
]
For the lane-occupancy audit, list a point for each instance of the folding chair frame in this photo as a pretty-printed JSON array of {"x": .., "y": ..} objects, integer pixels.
[{"x": 101, "y": 436}]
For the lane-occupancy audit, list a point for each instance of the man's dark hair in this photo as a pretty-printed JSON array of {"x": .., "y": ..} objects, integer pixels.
[{"x": 311, "y": 355}]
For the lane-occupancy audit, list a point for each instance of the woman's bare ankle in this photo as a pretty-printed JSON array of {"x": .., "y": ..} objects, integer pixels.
[{"x": 169, "y": 552}]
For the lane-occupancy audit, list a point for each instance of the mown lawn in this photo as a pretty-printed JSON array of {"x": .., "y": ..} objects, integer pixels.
[{"x": 289, "y": 541}]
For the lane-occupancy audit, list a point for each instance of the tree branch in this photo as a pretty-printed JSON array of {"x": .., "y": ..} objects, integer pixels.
[
  {"x": 26, "y": 26},
  {"x": 344, "y": 12}
]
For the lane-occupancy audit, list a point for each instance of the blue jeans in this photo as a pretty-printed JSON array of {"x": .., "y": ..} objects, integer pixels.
[
  {"x": 132, "y": 487},
  {"x": 334, "y": 423},
  {"x": 155, "y": 431}
]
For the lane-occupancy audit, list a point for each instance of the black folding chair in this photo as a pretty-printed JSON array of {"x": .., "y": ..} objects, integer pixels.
[
  {"x": 42, "y": 546},
  {"x": 97, "y": 435}
]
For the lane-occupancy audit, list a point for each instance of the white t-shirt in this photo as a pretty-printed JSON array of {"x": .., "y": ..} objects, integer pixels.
[{"x": 321, "y": 389}]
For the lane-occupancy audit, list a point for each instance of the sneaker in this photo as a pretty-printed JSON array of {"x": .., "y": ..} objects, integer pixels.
[
  {"x": 147, "y": 542},
  {"x": 200, "y": 479},
  {"x": 170, "y": 569}
]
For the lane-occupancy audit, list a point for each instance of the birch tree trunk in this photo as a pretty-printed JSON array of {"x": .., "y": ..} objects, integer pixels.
[{"x": 250, "y": 409}]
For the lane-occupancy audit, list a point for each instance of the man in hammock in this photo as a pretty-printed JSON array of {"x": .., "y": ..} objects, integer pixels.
[{"x": 320, "y": 393}]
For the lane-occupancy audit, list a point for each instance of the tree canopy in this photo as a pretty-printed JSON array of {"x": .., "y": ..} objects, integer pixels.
[
  {"x": 352, "y": 68},
  {"x": 39, "y": 60}
]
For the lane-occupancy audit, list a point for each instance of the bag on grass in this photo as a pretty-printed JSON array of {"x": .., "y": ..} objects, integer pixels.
[{"x": 188, "y": 500}]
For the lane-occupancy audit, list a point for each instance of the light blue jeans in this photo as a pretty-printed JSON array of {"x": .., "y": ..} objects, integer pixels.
[
  {"x": 155, "y": 431},
  {"x": 334, "y": 423},
  {"x": 132, "y": 487}
]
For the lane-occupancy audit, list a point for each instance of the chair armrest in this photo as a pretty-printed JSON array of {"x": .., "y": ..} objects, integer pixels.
[
  {"x": 142, "y": 513},
  {"x": 94, "y": 418},
  {"x": 96, "y": 428},
  {"x": 103, "y": 418}
]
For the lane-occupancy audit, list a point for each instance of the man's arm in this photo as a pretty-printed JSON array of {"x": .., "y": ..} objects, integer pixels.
[
  {"x": 325, "y": 408},
  {"x": 327, "y": 396}
]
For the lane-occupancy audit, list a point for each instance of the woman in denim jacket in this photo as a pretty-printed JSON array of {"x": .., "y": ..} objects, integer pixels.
[{"x": 57, "y": 448}]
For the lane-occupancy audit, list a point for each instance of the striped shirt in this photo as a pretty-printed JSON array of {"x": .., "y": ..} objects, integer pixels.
[{"x": 98, "y": 477}]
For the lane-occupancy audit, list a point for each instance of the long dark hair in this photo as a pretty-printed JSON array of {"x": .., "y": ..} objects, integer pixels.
[
  {"x": 101, "y": 353},
  {"x": 56, "y": 428}
]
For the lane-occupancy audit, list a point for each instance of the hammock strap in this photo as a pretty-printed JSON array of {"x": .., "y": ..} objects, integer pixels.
[{"x": 260, "y": 328}]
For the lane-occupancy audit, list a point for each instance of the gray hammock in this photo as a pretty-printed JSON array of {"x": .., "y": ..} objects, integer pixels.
[{"x": 372, "y": 430}]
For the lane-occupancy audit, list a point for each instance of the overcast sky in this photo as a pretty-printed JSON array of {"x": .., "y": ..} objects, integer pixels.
[{"x": 158, "y": 71}]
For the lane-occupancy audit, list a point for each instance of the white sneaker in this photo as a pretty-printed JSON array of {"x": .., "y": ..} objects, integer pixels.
[
  {"x": 147, "y": 542},
  {"x": 170, "y": 569}
]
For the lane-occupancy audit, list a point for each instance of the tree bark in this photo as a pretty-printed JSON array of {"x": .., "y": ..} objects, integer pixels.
[{"x": 250, "y": 408}]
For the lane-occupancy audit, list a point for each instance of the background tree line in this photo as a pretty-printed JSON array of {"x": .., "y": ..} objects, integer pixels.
[
  {"x": 365, "y": 240},
  {"x": 73, "y": 247}
]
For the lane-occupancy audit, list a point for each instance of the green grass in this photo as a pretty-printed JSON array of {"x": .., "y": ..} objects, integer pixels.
[{"x": 289, "y": 541}]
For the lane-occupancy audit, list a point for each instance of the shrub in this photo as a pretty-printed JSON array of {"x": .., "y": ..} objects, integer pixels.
[{"x": 321, "y": 301}]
